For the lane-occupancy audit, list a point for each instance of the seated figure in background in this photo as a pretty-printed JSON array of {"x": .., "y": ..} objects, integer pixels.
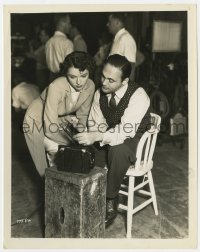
[{"x": 23, "y": 92}]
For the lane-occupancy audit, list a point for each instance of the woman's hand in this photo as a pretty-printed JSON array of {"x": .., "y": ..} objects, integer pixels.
[
  {"x": 88, "y": 138},
  {"x": 72, "y": 120}
]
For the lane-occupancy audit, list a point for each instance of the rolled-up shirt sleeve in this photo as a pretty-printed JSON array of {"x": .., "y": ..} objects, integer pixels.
[{"x": 130, "y": 121}]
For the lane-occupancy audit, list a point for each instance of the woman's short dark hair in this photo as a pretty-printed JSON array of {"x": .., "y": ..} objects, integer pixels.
[
  {"x": 80, "y": 60},
  {"x": 120, "y": 62}
]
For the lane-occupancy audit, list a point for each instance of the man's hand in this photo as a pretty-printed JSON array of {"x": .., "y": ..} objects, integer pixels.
[{"x": 88, "y": 138}]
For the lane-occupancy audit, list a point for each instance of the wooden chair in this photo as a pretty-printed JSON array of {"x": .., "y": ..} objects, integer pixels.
[{"x": 142, "y": 168}]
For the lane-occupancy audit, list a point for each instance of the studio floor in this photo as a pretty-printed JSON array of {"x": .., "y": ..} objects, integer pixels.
[{"x": 170, "y": 174}]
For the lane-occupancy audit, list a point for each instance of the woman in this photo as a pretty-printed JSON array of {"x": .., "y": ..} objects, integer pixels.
[{"x": 67, "y": 99}]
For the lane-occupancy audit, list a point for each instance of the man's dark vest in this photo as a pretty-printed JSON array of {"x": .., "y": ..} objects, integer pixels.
[{"x": 113, "y": 116}]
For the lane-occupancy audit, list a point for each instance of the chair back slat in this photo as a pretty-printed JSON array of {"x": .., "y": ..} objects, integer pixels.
[
  {"x": 153, "y": 144},
  {"x": 146, "y": 145},
  {"x": 146, "y": 151}
]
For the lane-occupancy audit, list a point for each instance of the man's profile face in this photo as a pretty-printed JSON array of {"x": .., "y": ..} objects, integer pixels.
[
  {"x": 72, "y": 32},
  {"x": 112, "y": 24},
  {"x": 67, "y": 24},
  {"x": 111, "y": 79},
  {"x": 43, "y": 36}
]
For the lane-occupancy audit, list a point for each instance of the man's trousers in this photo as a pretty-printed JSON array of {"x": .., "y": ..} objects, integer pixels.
[{"x": 117, "y": 158}]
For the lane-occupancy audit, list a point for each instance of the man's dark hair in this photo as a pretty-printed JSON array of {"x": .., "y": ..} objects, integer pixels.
[
  {"x": 77, "y": 25},
  {"x": 60, "y": 17},
  {"x": 120, "y": 62},
  {"x": 121, "y": 16},
  {"x": 46, "y": 30},
  {"x": 80, "y": 60}
]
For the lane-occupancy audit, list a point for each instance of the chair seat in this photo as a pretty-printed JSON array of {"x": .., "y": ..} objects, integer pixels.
[{"x": 141, "y": 170}]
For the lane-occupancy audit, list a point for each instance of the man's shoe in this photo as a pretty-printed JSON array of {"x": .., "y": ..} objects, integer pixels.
[{"x": 111, "y": 210}]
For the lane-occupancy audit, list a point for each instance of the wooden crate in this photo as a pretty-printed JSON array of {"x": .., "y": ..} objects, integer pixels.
[{"x": 75, "y": 204}]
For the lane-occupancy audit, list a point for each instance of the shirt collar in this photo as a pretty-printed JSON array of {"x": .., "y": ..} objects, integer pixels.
[
  {"x": 119, "y": 33},
  {"x": 59, "y": 33},
  {"x": 69, "y": 88},
  {"x": 120, "y": 92},
  {"x": 73, "y": 90}
]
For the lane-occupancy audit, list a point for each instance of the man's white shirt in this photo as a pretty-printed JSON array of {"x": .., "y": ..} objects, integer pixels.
[
  {"x": 57, "y": 48},
  {"x": 124, "y": 44},
  {"x": 130, "y": 121}
]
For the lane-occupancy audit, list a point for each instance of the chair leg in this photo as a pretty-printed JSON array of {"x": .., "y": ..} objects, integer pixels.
[
  {"x": 153, "y": 194},
  {"x": 130, "y": 206}
]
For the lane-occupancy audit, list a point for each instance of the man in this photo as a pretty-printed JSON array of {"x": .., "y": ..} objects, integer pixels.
[
  {"x": 58, "y": 46},
  {"x": 119, "y": 115},
  {"x": 123, "y": 43},
  {"x": 39, "y": 55},
  {"x": 78, "y": 41}
]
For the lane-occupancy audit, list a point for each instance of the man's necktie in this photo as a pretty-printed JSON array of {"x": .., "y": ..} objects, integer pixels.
[{"x": 112, "y": 102}]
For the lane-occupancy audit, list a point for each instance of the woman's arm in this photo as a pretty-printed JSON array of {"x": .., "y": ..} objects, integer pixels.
[
  {"x": 83, "y": 112},
  {"x": 52, "y": 129}
]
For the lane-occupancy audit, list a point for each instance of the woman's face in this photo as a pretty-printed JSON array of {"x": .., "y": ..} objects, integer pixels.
[{"x": 77, "y": 79}]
